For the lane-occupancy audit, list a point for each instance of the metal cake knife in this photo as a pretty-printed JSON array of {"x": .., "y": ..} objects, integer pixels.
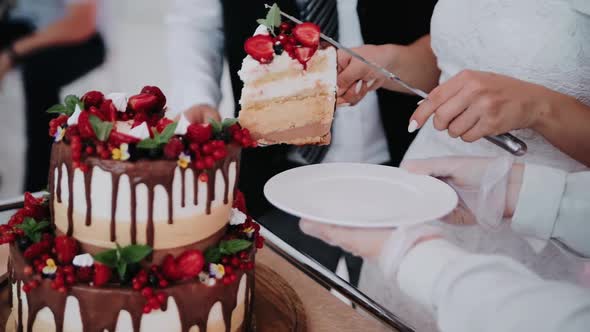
[{"x": 506, "y": 141}]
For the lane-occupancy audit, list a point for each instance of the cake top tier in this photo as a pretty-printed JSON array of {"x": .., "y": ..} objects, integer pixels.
[{"x": 131, "y": 128}]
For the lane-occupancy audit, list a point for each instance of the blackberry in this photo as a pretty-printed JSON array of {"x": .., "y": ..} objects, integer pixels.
[
  {"x": 132, "y": 270},
  {"x": 23, "y": 243},
  {"x": 153, "y": 280},
  {"x": 278, "y": 48}
]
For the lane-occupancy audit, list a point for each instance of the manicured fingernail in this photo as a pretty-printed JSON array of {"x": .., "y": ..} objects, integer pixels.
[
  {"x": 413, "y": 126},
  {"x": 421, "y": 101},
  {"x": 344, "y": 105},
  {"x": 358, "y": 87},
  {"x": 370, "y": 83}
]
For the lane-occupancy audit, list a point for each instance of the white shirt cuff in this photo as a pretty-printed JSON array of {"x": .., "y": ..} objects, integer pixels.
[
  {"x": 422, "y": 266},
  {"x": 539, "y": 200}
]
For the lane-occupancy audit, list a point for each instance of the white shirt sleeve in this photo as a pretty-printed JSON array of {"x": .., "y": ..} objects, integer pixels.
[
  {"x": 195, "y": 53},
  {"x": 468, "y": 292},
  {"x": 555, "y": 205}
]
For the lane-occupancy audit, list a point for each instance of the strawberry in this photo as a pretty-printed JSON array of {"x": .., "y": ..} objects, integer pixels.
[
  {"x": 260, "y": 47},
  {"x": 240, "y": 202},
  {"x": 173, "y": 148},
  {"x": 37, "y": 249},
  {"x": 117, "y": 138},
  {"x": 308, "y": 34},
  {"x": 303, "y": 54},
  {"x": 155, "y": 91},
  {"x": 190, "y": 263},
  {"x": 66, "y": 248},
  {"x": 108, "y": 110},
  {"x": 139, "y": 119},
  {"x": 143, "y": 103},
  {"x": 199, "y": 132},
  {"x": 92, "y": 98},
  {"x": 34, "y": 207},
  {"x": 84, "y": 274},
  {"x": 102, "y": 274},
  {"x": 84, "y": 126},
  {"x": 162, "y": 123},
  {"x": 17, "y": 218},
  {"x": 31, "y": 200},
  {"x": 170, "y": 269},
  {"x": 96, "y": 112}
]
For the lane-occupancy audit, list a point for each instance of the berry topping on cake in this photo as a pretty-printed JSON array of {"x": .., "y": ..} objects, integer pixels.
[
  {"x": 66, "y": 248},
  {"x": 190, "y": 263},
  {"x": 308, "y": 34},
  {"x": 303, "y": 54},
  {"x": 260, "y": 47},
  {"x": 102, "y": 274},
  {"x": 93, "y": 98}
]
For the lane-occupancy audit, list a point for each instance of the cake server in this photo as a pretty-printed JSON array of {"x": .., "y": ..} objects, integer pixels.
[{"x": 506, "y": 141}]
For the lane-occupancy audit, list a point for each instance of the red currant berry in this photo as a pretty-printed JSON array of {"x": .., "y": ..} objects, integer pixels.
[
  {"x": 235, "y": 261},
  {"x": 147, "y": 309},
  {"x": 200, "y": 164},
  {"x": 137, "y": 286},
  {"x": 28, "y": 270},
  {"x": 154, "y": 304},
  {"x": 163, "y": 283},
  {"x": 89, "y": 150},
  {"x": 233, "y": 278},
  {"x": 219, "y": 154},
  {"x": 147, "y": 292},
  {"x": 26, "y": 288},
  {"x": 161, "y": 297},
  {"x": 70, "y": 279},
  {"x": 203, "y": 177},
  {"x": 228, "y": 269},
  {"x": 62, "y": 289},
  {"x": 208, "y": 148},
  {"x": 209, "y": 162}
]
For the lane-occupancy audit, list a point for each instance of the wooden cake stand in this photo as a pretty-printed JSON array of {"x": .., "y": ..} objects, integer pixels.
[{"x": 276, "y": 305}]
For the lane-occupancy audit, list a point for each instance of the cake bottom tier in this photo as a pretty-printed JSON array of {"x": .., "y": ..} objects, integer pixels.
[{"x": 191, "y": 306}]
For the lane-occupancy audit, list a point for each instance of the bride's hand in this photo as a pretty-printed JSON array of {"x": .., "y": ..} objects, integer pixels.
[
  {"x": 474, "y": 104},
  {"x": 356, "y": 79},
  {"x": 488, "y": 188}
]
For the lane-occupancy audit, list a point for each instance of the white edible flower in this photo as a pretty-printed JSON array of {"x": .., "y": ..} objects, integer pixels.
[
  {"x": 249, "y": 231},
  {"x": 211, "y": 282},
  {"x": 216, "y": 271},
  {"x": 203, "y": 277},
  {"x": 182, "y": 125},
  {"x": 183, "y": 160},
  {"x": 261, "y": 30},
  {"x": 84, "y": 260},
  {"x": 140, "y": 132},
  {"x": 73, "y": 119},
  {"x": 50, "y": 268},
  {"x": 121, "y": 153},
  {"x": 59, "y": 134},
  {"x": 119, "y": 100},
  {"x": 237, "y": 217}
]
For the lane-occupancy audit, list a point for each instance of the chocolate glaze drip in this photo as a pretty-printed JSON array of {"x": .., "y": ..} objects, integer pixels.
[
  {"x": 70, "y": 200},
  {"x": 88, "y": 191},
  {"x": 196, "y": 189},
  {"x": 194, "y": 301},
  {"x": 149, "y": 172},
  {"x": 115, "y": 185},
  {"x": 19, "y": 326},
  {"x": 182, "y": 188}
]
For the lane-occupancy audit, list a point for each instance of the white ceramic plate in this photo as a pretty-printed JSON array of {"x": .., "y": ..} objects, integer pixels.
[{"x": 360, "y": 195}]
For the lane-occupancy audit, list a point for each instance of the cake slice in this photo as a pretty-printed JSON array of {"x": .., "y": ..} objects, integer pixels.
[{"x": 289, "y": 91}]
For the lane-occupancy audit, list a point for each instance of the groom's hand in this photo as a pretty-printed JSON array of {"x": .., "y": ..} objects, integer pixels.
[{"x": 201, "y": 114}]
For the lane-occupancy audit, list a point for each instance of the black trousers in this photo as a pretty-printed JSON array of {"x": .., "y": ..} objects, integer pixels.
[{"x": 44, "y": 73}]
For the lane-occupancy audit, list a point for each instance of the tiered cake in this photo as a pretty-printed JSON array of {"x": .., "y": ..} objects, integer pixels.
[
  {"x": 289, "y": 89},
  {"x": 143, "y": 228}
]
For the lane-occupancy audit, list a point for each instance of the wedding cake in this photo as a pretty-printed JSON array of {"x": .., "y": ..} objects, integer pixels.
[{"x": 143, "y": 228}]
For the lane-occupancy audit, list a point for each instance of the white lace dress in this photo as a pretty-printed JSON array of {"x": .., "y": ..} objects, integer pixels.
[{"x": 542, "y": 41}]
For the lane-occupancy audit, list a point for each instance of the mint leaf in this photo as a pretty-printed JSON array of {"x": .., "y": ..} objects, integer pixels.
[
  {"x": 59, "y": 109},
  {"x": 108, "y": 258},
  {"x": 134, "y": 253},
  {"x": 216, "y": 125},
  {"x": 121, "y": 269},
  {"x": 148, "y": 143},
  {"x": 167, "y": 133},
  {"x": 228, "y": 122},
  {"x": 102, "y": 129},
  {"x": 213, "y": 255},
  {"x": 261, "y": 21},
  {"x": 273, "y": 17},
  {"x": 33, "y": 229},
  {"x": 70, "y": 103},
  {"x": 233, "y": 246}
]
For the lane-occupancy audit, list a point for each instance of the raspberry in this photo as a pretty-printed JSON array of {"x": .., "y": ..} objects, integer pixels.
[
  {"x": 92, "y": 98},
  {"x": 190, "y": 263},
  {"x": 173, "y": 148},
  {"x": 199, "y": 132},
  {"x": 84, "y": 274}
]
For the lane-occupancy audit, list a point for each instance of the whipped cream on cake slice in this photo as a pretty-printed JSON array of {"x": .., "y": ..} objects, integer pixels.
[{"x": 289, "y": 91}]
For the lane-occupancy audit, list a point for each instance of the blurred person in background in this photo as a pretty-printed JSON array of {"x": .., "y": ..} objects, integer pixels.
[
  {"x": 53, "y": 42},
  {"x": 202, "y": 32}
]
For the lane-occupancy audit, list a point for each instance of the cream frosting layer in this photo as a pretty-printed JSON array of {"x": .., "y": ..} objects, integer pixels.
[
  {"x": 156, "y": 321},
  {"x": 292, "y": 84},
  {"x": 191, "y": 222}
]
